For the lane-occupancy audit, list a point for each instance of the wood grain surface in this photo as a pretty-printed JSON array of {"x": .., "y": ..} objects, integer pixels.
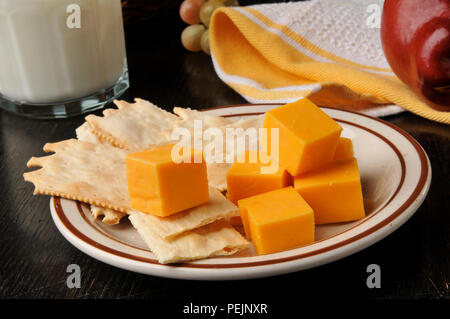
[{"x": 414, "y": 260}]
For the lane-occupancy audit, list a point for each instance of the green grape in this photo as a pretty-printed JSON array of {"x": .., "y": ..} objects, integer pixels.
[
  {"x": 191, "y": 37},
  {"x": 207, "y": 10},
  {"x": 204, "y": 42}
]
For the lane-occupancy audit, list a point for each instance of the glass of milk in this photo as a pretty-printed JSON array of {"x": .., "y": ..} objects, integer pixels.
[{"x": 61, "y": 57}]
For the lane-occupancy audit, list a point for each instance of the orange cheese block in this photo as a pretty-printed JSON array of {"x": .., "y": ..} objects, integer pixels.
[
  {"x": 344, "y": 149},
  {"x": 160, "y": 186},
  {"x": 334, "y": 192},
  {"x": 246, "y": 179},
  {"x": 307, "y": 136},
  {"x": 278, "y": 220}
]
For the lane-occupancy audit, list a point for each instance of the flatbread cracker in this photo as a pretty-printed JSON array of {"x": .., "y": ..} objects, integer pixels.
[
  {"x": 133, "y": 126},
  {"x": 88, "y": 172},
  {"x": 218, "y": 207},
  {"x": 110, "y": 217},
  {"x": 215, "y": 239}
]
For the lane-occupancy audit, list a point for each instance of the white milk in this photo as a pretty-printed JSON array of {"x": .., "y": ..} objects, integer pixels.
[{"x": 42, "y": 60}]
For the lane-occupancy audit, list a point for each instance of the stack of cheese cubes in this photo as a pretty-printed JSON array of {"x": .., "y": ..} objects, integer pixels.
[{"x": 317, "y": 181}]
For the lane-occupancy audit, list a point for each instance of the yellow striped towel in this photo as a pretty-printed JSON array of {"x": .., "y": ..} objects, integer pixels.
[{"x": 328, "y": 50}]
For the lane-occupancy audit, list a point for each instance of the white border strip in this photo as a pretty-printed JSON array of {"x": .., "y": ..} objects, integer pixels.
[{"x": 231, "y": 79}]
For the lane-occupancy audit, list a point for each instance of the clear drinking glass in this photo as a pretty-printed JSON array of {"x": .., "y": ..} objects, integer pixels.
[{"x": 61, "y": 57}]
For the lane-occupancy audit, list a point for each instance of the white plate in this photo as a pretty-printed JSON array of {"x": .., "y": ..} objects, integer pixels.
[{"x": 395, "y": 173}]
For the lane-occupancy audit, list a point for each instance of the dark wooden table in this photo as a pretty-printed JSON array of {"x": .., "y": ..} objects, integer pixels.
[{"x": 34, "y": 256}]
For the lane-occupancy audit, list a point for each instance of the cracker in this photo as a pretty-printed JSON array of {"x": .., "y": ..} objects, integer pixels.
[
  {"x": 91, "y": 173},
  {"x": 110, "y": 217},
  {"x": 215, "y": 239},
  {"x": 218, "y": 207},
  {"x": 133, "y": 126}
]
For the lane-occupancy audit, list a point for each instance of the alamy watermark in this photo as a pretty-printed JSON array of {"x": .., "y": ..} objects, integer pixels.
[
  {"x": 373, "y": 20},
  {"x": 374, "y": 279},
  {"x": 73, "y": 20},
  {"x": 74, "y": 278}
]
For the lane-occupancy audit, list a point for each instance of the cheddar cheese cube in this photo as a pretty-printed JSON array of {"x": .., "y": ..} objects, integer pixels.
[
  {"x": 278, "y": 220},
  {"x": 245, "y": 178},
  {"x": 344, "y": 150},
  {"x": 307, "y": 136},
  {"x": 161, "y": 185},
  {"x": 334, "y": 192}
]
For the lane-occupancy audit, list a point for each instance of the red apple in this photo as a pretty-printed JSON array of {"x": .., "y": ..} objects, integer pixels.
[{"x": 416, "y": 41}]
